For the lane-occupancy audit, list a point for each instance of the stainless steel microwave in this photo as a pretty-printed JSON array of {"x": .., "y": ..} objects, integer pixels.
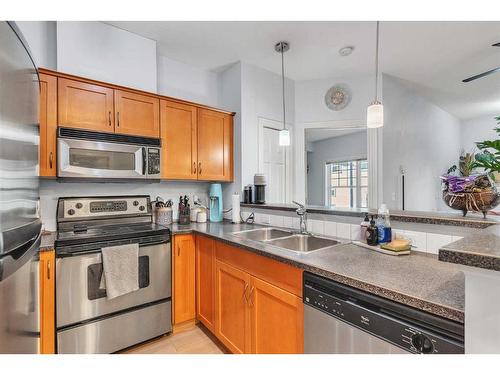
[{"x": 92, "y": 155}]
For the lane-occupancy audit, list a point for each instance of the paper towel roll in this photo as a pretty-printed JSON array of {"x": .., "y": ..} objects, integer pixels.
[{"x": 235, "y": 212}]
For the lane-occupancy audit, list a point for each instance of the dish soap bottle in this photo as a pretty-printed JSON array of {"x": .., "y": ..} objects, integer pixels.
[
  {"x": 384, "y": 225},
  {"x": 372, "y": 233},
  {"x": 364, "y": 226}
]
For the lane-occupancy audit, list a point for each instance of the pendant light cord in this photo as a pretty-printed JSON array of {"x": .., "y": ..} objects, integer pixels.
[
  {"x": 283, "y": 82},
  {"x": 376, "y": 63}
]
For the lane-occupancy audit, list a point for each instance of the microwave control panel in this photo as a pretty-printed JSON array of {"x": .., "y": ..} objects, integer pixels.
[{"x": 153, "y": 161}]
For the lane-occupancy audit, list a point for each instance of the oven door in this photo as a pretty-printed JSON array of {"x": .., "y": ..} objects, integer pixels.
[
  {"x": 95, "y": 159},
  {"x": 78, "y": 292}
]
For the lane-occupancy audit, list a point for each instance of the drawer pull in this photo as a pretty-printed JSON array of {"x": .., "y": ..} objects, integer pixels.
[
  {"x": 250, "y": 298},
  {"x": 245, "y": 293}
]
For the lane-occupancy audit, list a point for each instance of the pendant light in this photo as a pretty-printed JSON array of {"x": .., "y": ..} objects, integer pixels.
[
  {"x": 284, "y": 134},
  {"x": 375, "y": 111}
]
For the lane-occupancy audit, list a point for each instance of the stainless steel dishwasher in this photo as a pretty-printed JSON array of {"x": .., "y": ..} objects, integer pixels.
[{"x": 340, "y": 319}]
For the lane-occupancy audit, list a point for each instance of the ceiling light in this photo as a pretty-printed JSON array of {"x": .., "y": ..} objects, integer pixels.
[
  {"x": 375, "y": 111},
  {"x": 346, "y": 51},
  {"x": 284, "y": 136}
]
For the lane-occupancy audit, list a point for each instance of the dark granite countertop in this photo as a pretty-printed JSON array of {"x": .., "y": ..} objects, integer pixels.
[
  {"x": 48, "y": 239},
  {"x": 422, "y": 217},
  {"x": 477, "y": 250},
  {"x": 417, "y": 280}
]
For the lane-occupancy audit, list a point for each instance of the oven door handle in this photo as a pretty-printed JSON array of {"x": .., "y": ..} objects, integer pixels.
[{"x": 144, "y": 161}]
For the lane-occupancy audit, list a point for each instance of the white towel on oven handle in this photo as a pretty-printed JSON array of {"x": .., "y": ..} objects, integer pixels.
[{"x": 120, "y": 269}]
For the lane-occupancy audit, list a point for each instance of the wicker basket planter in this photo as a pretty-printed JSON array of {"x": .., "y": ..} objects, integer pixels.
[{"x": 476, "y": 202}]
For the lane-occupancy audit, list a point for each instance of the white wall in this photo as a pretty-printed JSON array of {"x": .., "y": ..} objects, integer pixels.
[
  {"x": 230, "y": 99},
  {"x": 477, "y": 129},
  {"x": 261, "y": 97},
  {"x": 51, "y": 190},
  {"x": 183, "y": 81},
  {"x": 340, "y": 148},
  {"x": 106, "y": 53},
  {"x": 312, "y": 112},
  {"x": 41, "y": 37},
  {"x": 422, "y": 138}
]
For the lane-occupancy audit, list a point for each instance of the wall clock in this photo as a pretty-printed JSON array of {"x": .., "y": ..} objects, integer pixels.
[{"x": 338, "y": 97}]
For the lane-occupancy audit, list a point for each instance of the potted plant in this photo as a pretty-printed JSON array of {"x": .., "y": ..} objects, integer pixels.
[{"x": 489, "y": 158}]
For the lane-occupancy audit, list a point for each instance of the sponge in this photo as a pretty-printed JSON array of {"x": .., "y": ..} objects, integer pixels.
[{"x": 397, "y": 245}]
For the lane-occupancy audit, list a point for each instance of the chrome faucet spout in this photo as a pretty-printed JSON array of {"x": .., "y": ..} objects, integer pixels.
[{"x": 302, "y": 212}]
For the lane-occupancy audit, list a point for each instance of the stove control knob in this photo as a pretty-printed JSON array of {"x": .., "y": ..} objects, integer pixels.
[
  {"x": 136, "y": 203},
  {"x": 71, "y": 211},
  {"x": 422, "y": 343},
  {"x": 78, "y": 205},
  {"x": 142, "y": 208}
]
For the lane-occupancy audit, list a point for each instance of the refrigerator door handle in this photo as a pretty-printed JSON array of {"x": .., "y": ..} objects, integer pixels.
[{"x": 18, "y": 257}]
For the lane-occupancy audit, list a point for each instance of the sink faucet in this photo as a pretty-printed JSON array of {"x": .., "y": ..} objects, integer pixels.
[{"x": 302, "y": 212}]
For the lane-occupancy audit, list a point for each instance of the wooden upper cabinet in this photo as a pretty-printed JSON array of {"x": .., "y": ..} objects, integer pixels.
[
  {"x": 48, "y": 125},
  {"x": 215, "y": 145},
  {"x": 179, "y": 140},
  {"x": 137, "y": 114},
  {"x": 232, "y": 314},
  {"x": 205, "y": 281},
  {"x": 183, "y": 296},
  {"x": 277, "y": 319},
  {"x": 85, "y": 106}
]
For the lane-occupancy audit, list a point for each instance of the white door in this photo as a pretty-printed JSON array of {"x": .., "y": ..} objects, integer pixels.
[{"x": 274, "y": 166}]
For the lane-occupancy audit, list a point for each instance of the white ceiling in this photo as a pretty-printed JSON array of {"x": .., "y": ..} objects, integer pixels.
[
  {"x": 319, "y": 134},
  {"x": 435, "y": 56}
]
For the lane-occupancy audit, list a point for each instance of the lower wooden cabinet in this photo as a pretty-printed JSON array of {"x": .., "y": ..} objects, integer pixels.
[
  {"x": 47, "y": 302},
  {"x": 232, "y": 310},
  {"x": 205, "y": 281},
  {"x": 258, "y": 306},
  {"x": 277, "y": 319},
  {"x": 183, "y": 278}
]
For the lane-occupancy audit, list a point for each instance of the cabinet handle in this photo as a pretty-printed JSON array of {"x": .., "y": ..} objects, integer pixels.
[
  {"x": 194, "y": 168},
  {"x": 48, "y": 270},
  {"x": 109, "y": 118},
  {"x": 51, "y": 158},
  {"x": 178, "y": 250},
  {"x": 245, "y": 293},
  {"x": 199, "y": 167},
  {"x": 118, "y": 119},
  {"x": 250, "y": 298}
]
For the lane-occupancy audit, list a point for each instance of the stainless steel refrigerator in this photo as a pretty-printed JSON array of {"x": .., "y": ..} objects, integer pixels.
[{"x": 20, "y": 224}]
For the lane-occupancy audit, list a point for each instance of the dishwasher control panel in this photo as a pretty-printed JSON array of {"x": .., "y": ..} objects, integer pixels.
[{"x": 385, "y": 321}]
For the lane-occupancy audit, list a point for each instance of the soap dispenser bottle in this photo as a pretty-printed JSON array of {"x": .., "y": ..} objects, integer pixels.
[
  {"x": 372, "y": 233},
  {"x": 364, "y": 226}
]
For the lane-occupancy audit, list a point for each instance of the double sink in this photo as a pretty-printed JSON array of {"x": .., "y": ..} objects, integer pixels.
[{"x": 300, "y": 243}]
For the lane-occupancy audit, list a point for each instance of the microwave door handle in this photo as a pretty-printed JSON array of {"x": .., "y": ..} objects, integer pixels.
[{"x": 144, "y": 161}]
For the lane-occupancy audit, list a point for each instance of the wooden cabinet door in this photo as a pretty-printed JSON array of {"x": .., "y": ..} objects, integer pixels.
[
  {"x": 277, "y": 319},
  {"x": 232, "y": 319},
  {"x": 137, "y": 114},
  {"x": 178, "y": 140},
  {"x": 85, "y": 106},
  {"x": 215, "y": 145},
  {"x": 205, "y": 281},
  {"x": 48, "y": 125},
  {"x": 47, "y": 302},
  {"x": 183, "y": 296}
]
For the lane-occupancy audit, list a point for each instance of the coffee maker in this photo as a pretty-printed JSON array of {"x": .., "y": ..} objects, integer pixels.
[{"x": 215, "y": 207}]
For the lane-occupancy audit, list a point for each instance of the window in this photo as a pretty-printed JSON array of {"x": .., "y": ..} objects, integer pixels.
[{"x": 347, "y": 184}]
